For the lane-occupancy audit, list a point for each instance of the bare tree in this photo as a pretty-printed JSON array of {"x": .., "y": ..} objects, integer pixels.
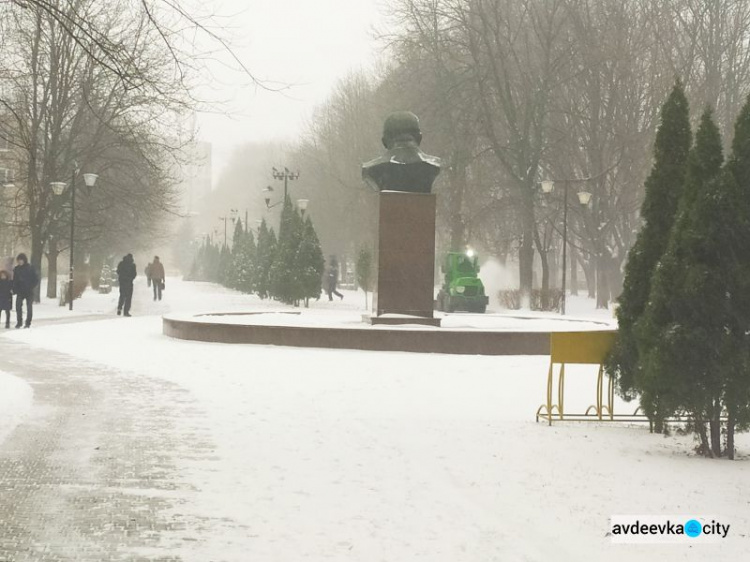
[{"x": 66, "y": 111}]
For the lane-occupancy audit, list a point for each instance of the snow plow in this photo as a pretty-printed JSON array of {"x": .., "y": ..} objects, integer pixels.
[{"x": 462, "y": 288}]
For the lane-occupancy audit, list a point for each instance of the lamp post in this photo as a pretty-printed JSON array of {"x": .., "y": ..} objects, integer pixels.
[
  {"x": 584, "y": 197},
  {"x": 286, "y": 175},
  {"x": 224, "y": 220},
  {"x": 58, "y": 188}
]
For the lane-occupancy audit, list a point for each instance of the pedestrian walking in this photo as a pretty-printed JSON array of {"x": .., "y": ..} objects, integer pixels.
[
  {"x": 332, "y": 279},
  {"x": 25, "y": 280},
  {"x": 126, "y": 274},
  {"x": 6, "y": 296},
  {"x": 157, "y": 277},
  {"x": 147, "y": 271}
]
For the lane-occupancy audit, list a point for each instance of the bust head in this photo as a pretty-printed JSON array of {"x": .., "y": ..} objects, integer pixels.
[
  {"x": 403, "y": 167},
  {"x": 401, "y": 126}
]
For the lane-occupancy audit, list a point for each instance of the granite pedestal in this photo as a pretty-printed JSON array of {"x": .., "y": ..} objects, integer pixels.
[{"x": 405, "y": 259}]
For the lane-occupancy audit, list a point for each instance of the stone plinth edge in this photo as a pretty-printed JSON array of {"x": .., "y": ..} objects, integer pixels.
[{"x": 415, "y": 339}]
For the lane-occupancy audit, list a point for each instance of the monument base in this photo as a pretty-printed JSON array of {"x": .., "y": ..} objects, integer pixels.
[
  {"x": 405, "y": 283},
  {"x": 399, "y": 320}
]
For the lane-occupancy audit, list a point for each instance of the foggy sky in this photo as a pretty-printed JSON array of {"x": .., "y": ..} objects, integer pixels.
[{"x": 309, "y": 44}]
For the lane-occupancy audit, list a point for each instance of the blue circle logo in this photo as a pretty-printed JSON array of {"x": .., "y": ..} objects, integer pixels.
[{"x": 693, "y": 528}]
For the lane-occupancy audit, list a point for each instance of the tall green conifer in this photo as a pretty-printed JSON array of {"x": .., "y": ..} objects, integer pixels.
[
  {"x": 683, "y": 335},
  {"x": 663, "y": 189}
]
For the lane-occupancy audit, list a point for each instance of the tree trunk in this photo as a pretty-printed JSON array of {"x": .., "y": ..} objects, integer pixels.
[
  {"x": 730, "y": 437},
  {"x": 706, "y": 449},
  {"x": 573, "y": 271},
  {"x": 658, "y": 424},
  {"x": 37, "y": 250},
  {"x": 715, "y": 428},
  {"x": 615, "y": 279},
  {"x": 526, "y": 251},
  {"x": 602, "y": 284},
  {"x": 590, "y": 272},
  {"x": 52, "y": 254},
  {"x": 544, "y": 258},
  {"x": 456, "y": 198}
]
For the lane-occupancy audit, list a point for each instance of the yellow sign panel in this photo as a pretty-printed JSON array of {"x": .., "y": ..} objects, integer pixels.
[{"x": 581, "y": 347}]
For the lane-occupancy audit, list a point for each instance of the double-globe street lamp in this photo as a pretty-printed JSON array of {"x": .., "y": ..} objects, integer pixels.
[
  {"x": 285, "y": 175},
  {"x": 58, "y": 187},
  {"x": 584, "y": 197}
]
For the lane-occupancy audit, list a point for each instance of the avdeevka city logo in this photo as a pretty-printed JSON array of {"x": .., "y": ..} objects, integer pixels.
[
  {"x": 693, "y": 528},
  {"x": 667, "y": 529}
]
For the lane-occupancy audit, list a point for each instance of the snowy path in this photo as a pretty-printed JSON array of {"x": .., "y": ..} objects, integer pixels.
[
  {"x": 234, "y": 453},
  {"x": 93, "y": 473}
]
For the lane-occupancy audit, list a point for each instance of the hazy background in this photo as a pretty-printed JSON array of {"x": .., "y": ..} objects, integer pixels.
[{"x": 303, "y": 44}]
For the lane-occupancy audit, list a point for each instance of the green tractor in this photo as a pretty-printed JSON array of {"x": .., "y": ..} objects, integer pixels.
[{"x": 462, "y": 288}]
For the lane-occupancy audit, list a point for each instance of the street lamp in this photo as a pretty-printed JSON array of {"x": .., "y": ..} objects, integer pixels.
[
  {"x": 302, "y": 204},
  {"x": 224, "y": 220},
  {"x": 58, "y": 188},
  {"x": 584, "y": 197},
  {"x": 284, "y": 175}
]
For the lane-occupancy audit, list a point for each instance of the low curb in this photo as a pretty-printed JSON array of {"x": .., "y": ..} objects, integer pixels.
[{"x": 414, "y": 339}]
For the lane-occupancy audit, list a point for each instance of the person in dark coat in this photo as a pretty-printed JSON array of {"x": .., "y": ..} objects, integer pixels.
[
  {"x": 126, "y": 274},
  {"x": 25, "y": 281},
  {"x": 6, "y": 296},
  {"x": 157, "y": 277},
  {"x": 332, "y": 279}
]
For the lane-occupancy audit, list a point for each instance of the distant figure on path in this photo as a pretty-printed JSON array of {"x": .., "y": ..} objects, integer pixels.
[
  {"x": 332, "y": 278},
  {"x": 6, "y": 296},
  {"x": 157, "y": 277},
  {"x": 147, "y": 271},
  {"x": 25, "y": 281},
  {"x": 126, "y": 274}
]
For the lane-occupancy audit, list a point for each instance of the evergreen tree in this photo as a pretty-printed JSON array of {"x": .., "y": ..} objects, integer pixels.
[
  {"x": 737, "y": 383},
  {"x": 224, "y": 266},
  {"x": 265, "y": 253},
  {"x": 285, "y": 275},
  {"x": 212, "y": 262},
  {"x": 663, "y": 189},
  {"x": 237, "y": 256},
  {"x": 364, "y": 271},
  {"x": 245, "y": 280},
  {"x": 685, "y": 337},
  {"x": 310, "y": 263}
]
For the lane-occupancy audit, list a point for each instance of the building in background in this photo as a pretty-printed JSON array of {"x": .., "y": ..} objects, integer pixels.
[
  {"x": 196, "y": 175},
  {"x": 9, "y": 163}
]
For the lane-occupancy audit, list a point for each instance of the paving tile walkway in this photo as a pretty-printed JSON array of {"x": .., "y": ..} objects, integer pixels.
[{"x": 99, "y": 469}]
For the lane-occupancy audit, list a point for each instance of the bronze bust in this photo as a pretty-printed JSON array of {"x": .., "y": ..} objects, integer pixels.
[{"x": 403, "y": 167}]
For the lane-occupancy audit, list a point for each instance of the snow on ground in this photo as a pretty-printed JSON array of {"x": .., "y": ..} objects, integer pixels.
[
  {"x": 353, "y": 455},
  {"x": 89, "y": 304},
  {"x": 15, "y": 402}
]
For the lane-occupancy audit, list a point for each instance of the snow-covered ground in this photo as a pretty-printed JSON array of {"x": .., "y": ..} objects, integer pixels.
[
  {"x": 15, "y": 402},
  {"x": 353, "y": 455}
]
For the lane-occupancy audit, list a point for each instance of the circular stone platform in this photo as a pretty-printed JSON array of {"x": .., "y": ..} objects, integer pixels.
[{"x": 463, "y": 334}]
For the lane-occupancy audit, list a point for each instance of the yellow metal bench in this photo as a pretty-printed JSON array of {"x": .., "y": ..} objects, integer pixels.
[{"x": 582, "y": 348}]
